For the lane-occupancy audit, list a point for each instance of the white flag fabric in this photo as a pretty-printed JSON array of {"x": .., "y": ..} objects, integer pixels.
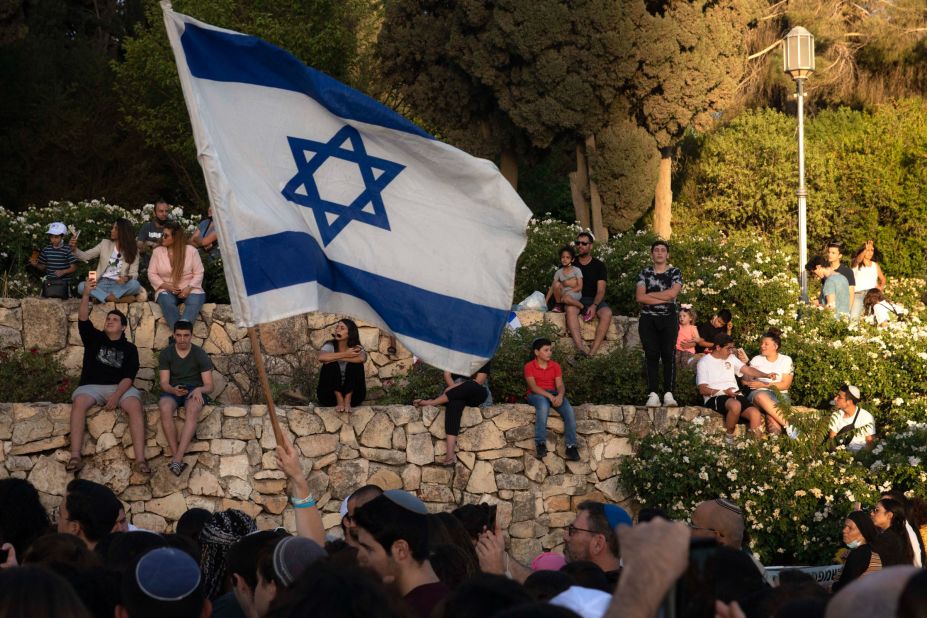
[{"x": 327, "y": 200}]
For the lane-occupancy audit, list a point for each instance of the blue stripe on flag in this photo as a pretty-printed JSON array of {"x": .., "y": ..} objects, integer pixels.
[
  {"x": 226, "y": 57},
  {"x": 292, "y": 258}
]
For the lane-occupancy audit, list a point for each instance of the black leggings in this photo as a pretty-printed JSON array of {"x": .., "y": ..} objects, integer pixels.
[
  {"x": 354, "y": 383},
  {"x": 658, "y": 337},
  {"x": 467, "y": 393}
]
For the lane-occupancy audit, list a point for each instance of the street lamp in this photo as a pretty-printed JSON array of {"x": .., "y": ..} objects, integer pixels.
[{"x": 798, "y": 62}]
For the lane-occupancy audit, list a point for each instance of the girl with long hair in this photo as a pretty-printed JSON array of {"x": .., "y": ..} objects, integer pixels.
[
  {"x": 117, "y": 269},
  {"x": 868, "y": 275},
  {"x": 341, "y": 379},
  {"x": 892, "y": 543},
  {"x": 176, "y": 274},
  {"x": 768, "y": 394}
]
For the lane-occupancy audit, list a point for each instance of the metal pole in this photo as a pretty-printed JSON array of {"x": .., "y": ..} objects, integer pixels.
[{"x": 802, "y": 195}]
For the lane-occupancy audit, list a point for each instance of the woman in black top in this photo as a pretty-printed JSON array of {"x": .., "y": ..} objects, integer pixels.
[
  {"x": 892, "y": 544},
  {"x": 858, "y": 534},
  {"x": 461, "y": 391},
  {"x": 341, "y": 379}
]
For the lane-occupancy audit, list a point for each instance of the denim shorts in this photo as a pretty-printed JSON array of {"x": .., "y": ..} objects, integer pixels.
[
  {"x": 180, "y": 400},
  {"x": 777, "y": 397}
]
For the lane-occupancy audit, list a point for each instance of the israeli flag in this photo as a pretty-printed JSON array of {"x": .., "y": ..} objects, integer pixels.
[{"x": 327, "y": 200}]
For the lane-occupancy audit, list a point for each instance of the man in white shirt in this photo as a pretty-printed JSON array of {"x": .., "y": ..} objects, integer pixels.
[
  {"x": 855, "y": 421},
  {"x": 716, "y": 376}
]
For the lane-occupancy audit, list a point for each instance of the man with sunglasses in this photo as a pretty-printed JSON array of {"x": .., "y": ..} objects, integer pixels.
[
  {"x": 595, "y": 276},
  {"x": 716, "y": 377}
]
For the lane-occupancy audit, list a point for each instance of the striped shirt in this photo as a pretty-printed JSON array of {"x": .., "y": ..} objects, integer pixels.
[{"x": 56, "y": 258}]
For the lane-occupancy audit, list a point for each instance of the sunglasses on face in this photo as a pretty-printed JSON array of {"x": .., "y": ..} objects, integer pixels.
[{"x": 583, "y": 242}]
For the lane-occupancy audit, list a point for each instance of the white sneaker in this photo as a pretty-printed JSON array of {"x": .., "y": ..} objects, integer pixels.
[
  {"x": 729, "y": 439},
  {"x": 792, "y": 431},
  {"x": 653, "y": 401},
  {"x": 669, "y": 401}
]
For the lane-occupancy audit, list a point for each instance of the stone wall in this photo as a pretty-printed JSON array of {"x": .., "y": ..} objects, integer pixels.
[
  {"x": 232, "y": 462},
  {"x": 290, "y": 346}
]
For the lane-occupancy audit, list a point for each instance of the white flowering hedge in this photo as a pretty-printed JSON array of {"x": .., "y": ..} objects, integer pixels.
[
  {"x": 795, "y": 494},
  {"x": 899, "y": 458},
  {"x": 23, "y": 232}
]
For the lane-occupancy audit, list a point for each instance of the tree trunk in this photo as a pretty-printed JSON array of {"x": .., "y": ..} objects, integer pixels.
[
  {"x": 595, "y": 200},
  {"x": 508, "y": 165},
  {"x": 579, "y": 182},
  {"x": 663, "y": 199}
]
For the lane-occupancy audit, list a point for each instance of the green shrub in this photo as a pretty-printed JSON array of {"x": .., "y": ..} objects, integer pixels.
[
  {"x": 795, "y": 495},
  {"x": 32, "y": 375},
  {"x": 422, "y": 382},
  {"x": 898, "y": 460}
]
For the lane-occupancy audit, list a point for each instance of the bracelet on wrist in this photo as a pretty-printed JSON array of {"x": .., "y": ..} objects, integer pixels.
[
  {"x": 303, "y": 502},
  {"x": 304, "y": 505}
]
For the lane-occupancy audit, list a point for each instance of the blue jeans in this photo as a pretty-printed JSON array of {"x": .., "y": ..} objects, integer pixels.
[
  {"x": 542, "y": 408},
  {"x": 107, "y": 286},
  {"x": 191, "y": 307}
]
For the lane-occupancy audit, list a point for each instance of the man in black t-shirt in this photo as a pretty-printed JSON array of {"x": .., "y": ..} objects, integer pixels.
[
  {"x": 834, "y": 256},
  {"x": 595, "y": 277},
  {"x": 109, "y": 368},
  {"x": 719, "y": 324}
]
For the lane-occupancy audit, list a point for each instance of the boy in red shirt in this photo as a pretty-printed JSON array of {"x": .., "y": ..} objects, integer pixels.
[{"x": 545, "y": 391}]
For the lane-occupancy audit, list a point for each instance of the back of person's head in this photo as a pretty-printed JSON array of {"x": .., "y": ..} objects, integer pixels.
[
  {"x": 872, "y": 298},
  {"x": 587, "y": 575},
  {"x": 485, "y": 595},
  {"x": 216, "y": 538},
  {"x": 876, "y": 594},
  {"x": 364, "y": 494},
  {"x": 191, "y": 523},
  {"x": 55, "y": 550},
  {"x": 898, "y": 496},
  {"x": 283, "y": 559},
  {"x": 34, "y": 592},
  {"x": 451, "y": 564},
  {"x": 438, "y": 533},
  {"x": 798, "y": 595},
  {"x": 722, "y": 339},
  {"x": 724, "y": 517},
  {"x": 340, "y": 553},
  {"x": 458, "y": 534},
  {"x": 651, "y": 512},
  {"x": 917, "y": 512},
  {"x": 735, "y": 574},
  {"x": 242, "y": 559},
  {"x": 164, "y": 582},
  {"x": 475, "y": 518},
  {"x": 337, "y": 591},
  {"x": 913, "y": 600},
  {"x": 93, "y": 507},
  {"x": 815, "y": 262},
  {"x": 545, "y": 585},
  {"x": 602, "y": 519},
  {"x": 125, "y": 548},
  {"x": 22, "y": 516},
  {"x": 184, "y": 544},
  {"x": 725, "y": 316},
  {"x": 388, "y": 522}
]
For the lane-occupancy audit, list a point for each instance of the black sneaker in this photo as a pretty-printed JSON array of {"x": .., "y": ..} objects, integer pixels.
[
  {"x": 542, "y": 450},
  {"x": 572, "y": 453}
]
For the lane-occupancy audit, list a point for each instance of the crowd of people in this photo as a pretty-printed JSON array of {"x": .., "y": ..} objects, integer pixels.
[{"x": 391, "y": 557}]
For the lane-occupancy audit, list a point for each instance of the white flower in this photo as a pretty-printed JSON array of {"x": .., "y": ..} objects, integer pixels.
[
  {"x": 898, "y": 401},
  {"x": 914, "y": 461}
]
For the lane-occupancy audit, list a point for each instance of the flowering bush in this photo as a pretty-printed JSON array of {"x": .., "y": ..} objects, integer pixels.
[
  {"x": 22, "y": 233},
  {"x": 31, "y": 375},
  {"x": 795, "y": 494},
  {"x": 898, "y": 459}
]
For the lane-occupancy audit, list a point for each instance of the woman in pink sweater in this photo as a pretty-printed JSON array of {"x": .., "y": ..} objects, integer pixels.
[{"x": 176, "y": 274}]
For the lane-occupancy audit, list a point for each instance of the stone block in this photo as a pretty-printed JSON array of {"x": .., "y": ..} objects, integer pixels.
[
  {"x": 419, "y": 449},
  {"x": 49, "y": 476},
  {"x": 317, "y": 445},
  {"x": 169, "y": 507},
  {"x": 482, "y": 437},
  {"x": 36, "y": 427},
  {"x": 378, "y": 432},
  {"x": 385, "y": 479},
  {"x": 224, "y": 446},
  {"x": 218, "y": 341},
  {"x": 235, "y": 465},
  {"x": 411, "y": 478},
  {"x": 347, "y": 475},
  {"x": 482, "y": 479},
  {"x": 382, "y": 455},
  {"x": 302, "y": 422},
  {"x": 286, "y": 336},
  {"x": 40, "y": 446},
  {"x": 45, "y": 324}
]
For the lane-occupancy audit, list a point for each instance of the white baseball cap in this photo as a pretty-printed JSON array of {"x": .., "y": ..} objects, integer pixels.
[{"x": 57, "y": 229}]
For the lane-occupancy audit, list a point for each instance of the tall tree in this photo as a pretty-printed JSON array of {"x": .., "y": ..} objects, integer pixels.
[
  {"x": 320, "y": 32},
  {"x": 681, "y": 62}
]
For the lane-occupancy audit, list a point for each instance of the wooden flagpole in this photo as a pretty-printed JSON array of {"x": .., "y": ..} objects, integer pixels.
[{"x": 265, "y": 386}]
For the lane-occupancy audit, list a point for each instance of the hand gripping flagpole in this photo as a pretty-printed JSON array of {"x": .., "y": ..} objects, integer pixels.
[{"x": 265, "y": 386}]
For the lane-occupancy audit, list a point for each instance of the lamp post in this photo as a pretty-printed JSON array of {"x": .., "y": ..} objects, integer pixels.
[{"x": 798, "y": 62}]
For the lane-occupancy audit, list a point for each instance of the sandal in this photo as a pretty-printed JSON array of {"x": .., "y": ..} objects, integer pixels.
[
  {"x": 74, "y": 464},
  {"x": 177, "y": 467},
  {"x": 141, "y": 467}
]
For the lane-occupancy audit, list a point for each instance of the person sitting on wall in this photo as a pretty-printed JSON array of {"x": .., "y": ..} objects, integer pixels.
[
  {"x": 56, "y": 261},
  {"x": 117, "y": 269},
  {"x": 461, "y": 391},
  {"x": 545, "y": 391},
  {"x": 835, "y": 289},
  {"x": 716, "y": 377},
  {"x": 595, "y": 278},
  {"x": 109, "y": 368},
  {"x": 341, "y": 379},
  {"x": 186, "y": 380}
]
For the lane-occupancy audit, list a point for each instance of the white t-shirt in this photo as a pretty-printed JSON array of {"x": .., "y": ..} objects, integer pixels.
[
  {"x": 867, "y": 277},
  {"x": 781, "y": 367},
  {"x": 885, "y": 311},
  {"x": 865, "y": 426},
  {"x": 114, "y": 266},
  {"x": 718, "y": 374}
]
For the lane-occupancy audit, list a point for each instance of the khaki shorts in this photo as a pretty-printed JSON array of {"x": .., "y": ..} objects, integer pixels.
[{"x": 102, "y": 392}]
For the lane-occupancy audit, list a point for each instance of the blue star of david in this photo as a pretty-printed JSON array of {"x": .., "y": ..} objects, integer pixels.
[{"x": 376, "y": 173}]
